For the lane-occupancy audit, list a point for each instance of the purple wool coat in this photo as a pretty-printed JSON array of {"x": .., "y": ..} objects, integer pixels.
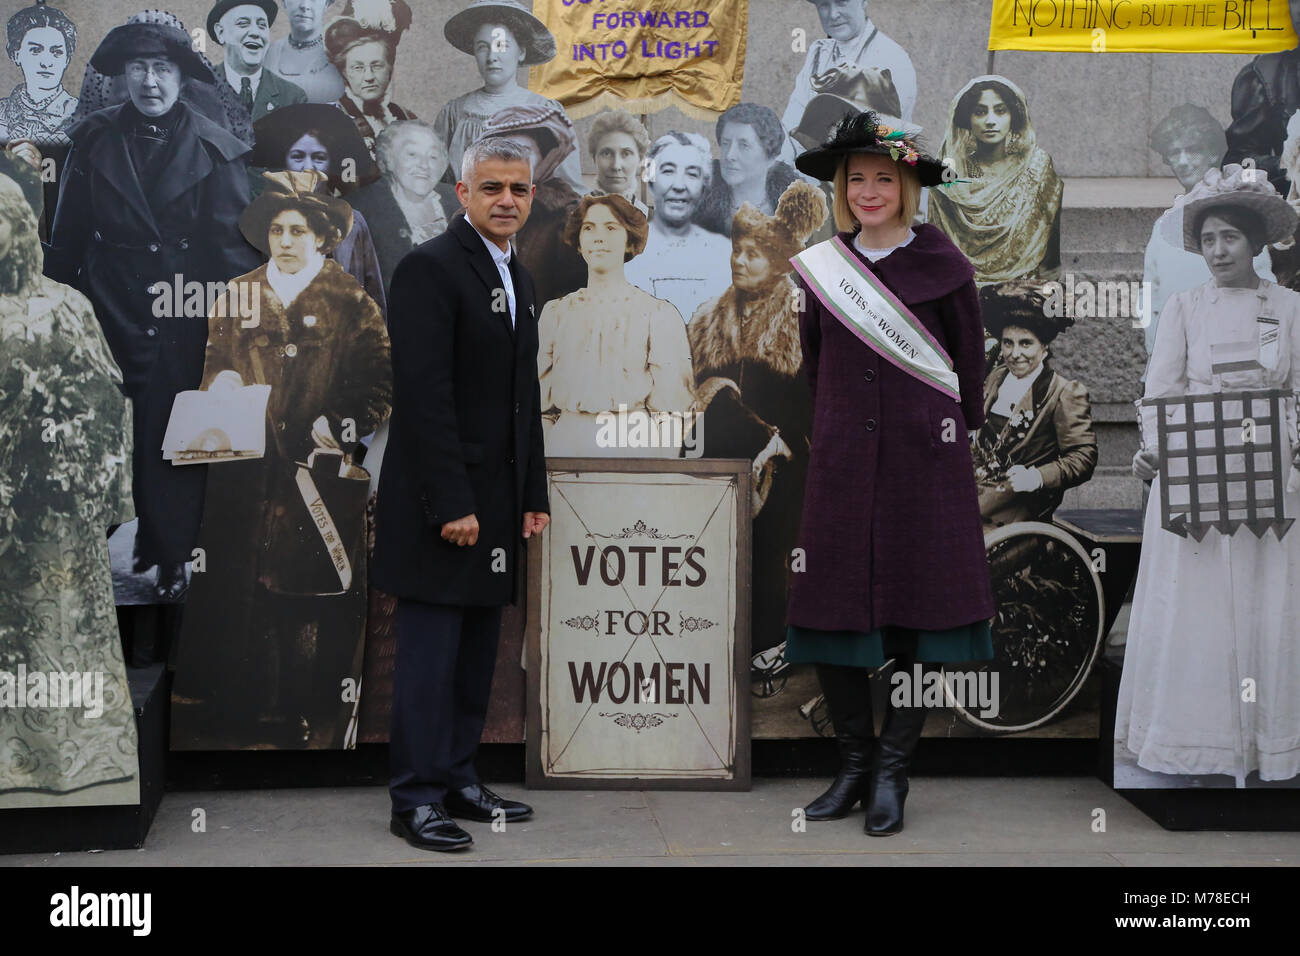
[{"x": 891, "y": 531}]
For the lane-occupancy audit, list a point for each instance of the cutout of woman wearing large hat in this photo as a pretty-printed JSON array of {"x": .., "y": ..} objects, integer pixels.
[
  {"x": 1212, "y": 611},
  {"x": 316, "y": 136},
  {"x": 362, "y": 44},
  {"x": 501, "y": 36},
  {"x": 274, "y": 623},
  {"x": 300, "y": 57},
  {"x": 1037, "y": 438},
  {"x": 151, "y": 190},
  {"x": 1004, "y": 209}
]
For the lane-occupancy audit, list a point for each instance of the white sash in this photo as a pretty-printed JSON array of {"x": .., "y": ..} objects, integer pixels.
[
  {"x": 875, "y": 315},
  {"x": 324, "y": 521}
]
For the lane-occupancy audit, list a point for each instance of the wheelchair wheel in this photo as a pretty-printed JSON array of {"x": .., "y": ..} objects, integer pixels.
[{"x": 1047, "y": 631}]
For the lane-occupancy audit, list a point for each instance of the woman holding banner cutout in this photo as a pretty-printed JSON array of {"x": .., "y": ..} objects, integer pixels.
[
  {"x": 890, "y": 561},
  {"x": 1211, "y": 681}
]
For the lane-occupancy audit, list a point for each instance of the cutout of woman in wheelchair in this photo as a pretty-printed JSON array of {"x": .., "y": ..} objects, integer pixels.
[
  {"x": 1037, "y": 438},
  {"x": 1211, "y": 681},
  {"x": 278, "y": 616}
]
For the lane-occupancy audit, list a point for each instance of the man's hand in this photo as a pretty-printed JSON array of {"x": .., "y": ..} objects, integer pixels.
[
  {"x": 463, "y": 532},
  {"x": 535, "y": 522},
  {"x": 1145, "y": 464}
]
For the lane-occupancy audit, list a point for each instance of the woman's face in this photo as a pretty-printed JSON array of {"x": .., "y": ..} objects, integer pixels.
[
  {"x": 1190, "y": 159},
  {"x": 750, "y": 267},
  {"x": 367, "y": 70},
  {"x": 153, "y": 84},
  {"x": 43, "y": 58},
  {"x": 1022, "y": 350},
  {"x": 1227, "y": 252},
  {"x": 291, "y": 240},
  {"x": 308, "y": 153},
  {"x": 874, "y": 191},
  {"x": 602, "y": 240},
  {"x": 743, "y": 159},
  {"x": 617, "y": 160},
  {"x": 497, "y": 54},
  {"x": 305, "y": 17},
  {"x": 990, "y": 120},
  {"x": 842, "y": 19}
]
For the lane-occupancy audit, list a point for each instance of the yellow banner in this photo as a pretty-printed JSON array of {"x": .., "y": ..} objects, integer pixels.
[
  {"x": 1142, "y": 26},
  {"x": 643, "y": 55}
]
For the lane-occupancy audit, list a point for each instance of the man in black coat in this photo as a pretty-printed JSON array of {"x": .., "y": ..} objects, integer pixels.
[
  {"x": 1264, "y": 95},
  {"x": 152, "y": 191},
  {"x": 463, "y": 482}
]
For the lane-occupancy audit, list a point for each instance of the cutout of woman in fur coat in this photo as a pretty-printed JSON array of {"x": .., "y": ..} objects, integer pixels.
[{"x": 750, "y": 385}]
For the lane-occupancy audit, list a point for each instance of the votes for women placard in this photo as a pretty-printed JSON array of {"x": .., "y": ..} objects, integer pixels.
[{"x": 638, "y": 642}]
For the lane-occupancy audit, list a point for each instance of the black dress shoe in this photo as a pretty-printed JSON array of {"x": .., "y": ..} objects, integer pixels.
[
  {"x": 429, "y": 828},
  {"x": 172, "y": 583},
  {"x": 477, "y": 802}
]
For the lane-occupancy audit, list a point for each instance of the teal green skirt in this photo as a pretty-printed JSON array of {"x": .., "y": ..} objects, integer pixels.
[{"x": 970, "y": 642}]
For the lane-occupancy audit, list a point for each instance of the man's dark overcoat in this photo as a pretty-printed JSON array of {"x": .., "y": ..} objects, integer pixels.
[{"x": 466, "y": 431}]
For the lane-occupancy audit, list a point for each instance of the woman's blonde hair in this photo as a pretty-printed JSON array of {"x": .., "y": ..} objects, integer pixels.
[{"x": 909, "y": 188}]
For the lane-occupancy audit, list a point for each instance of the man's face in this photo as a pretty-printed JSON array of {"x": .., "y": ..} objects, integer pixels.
[
  {"x": 498, "y": 198},
  {"x": 842, "y": 19},
  {"x": 617, "y": 160},
  {"x": 244, "y": 32},
  {"x": 43, "y": 58},
  {"x": 1189, "y": 161},
  {"x": 305, "y": 16},
  {"x": 497, "y": 54},
  {"x": 153, "y": 83},
  {"x": 368, "y": 71},
  {"x": 680, "y": 171},
  {"x": 416, "y": 161}
]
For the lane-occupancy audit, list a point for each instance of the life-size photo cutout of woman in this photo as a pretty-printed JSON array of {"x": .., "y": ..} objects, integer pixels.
[
  {"x": 749, "y": 168},
  {"x": 151, "y": 190},
  {"x": 1212, "y": 612},
  {"x": 362, "y": 44},
  {"x": 408, "y": 204},
  {"x": 274, "y": 627},
  {"x": 751, "y": 388},
  {"x": 501, "y": 36},
  {"x": 300, "y": 57},
  {"x": 1191, "y": 142},
  {"x": 315, "y": 136},
  {"x": 1037, "y": 438},
  {"x": 618, "y": 144},
  {"x": 214, "y": 100},
  {"x": 1006, "y": 216},
  {"x": 610, "y": 348},
  {"x": 65, "y": 477},
  {"x": 40, "y": 40}
]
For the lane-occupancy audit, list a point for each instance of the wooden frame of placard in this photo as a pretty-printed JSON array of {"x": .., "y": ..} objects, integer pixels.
[{"x": 536, "y": 776}]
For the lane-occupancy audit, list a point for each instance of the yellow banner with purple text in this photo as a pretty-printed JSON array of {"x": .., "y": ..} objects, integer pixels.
[{"x": 643, "y": 55}]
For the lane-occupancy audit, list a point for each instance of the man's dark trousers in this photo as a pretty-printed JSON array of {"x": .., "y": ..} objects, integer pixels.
[{"x": 441, "y": 684}]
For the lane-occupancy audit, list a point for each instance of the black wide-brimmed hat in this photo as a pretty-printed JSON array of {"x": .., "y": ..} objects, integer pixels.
[
  {"x": 222, "y": 7},
  {"x": 533, "y": 36},
  {"x": 1021, "y": 303},
  {"x": 291, "y": 190},
  {"x": 138, "y": 41},
  {"x": 865, "y": 133},
  {"x": 281, "y": 128}
]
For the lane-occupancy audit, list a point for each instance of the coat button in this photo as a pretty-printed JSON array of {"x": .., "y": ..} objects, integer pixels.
[
  {"x": 516, "y": 408},
  {"x": 281, "y": 426},
  {"x": 871, "y": 424},
  {"x": 154, "y": 247},
  {"x": 151, "y": 331},
  {"x": 185, "y": 243},
  {"x": 290, "y": 350},
  {"x": 869, "y": 375},
  {"x": 510, "y": 461},
  {"x": 98, "y": 237}
]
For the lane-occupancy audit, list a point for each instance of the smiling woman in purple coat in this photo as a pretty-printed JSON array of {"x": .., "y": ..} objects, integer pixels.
[{"x": 890, "y": 559}]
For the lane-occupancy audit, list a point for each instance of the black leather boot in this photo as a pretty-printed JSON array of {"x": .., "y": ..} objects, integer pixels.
[
  {"x": 888, "y": 789},
  {"x": 848, "y": 695}
]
